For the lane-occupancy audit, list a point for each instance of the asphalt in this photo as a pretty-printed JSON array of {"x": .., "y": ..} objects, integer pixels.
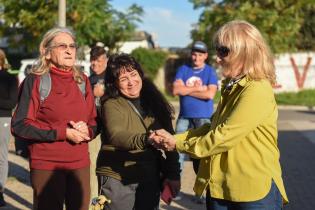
[{"x": 297, "y": 148}]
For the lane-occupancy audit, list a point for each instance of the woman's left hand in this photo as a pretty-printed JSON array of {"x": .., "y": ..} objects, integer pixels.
[{"x": 80, "y": 126}]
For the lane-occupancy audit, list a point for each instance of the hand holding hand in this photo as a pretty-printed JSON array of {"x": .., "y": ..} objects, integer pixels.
[
  {"x": 76, "y": 136},
  {"x": 163, "y": 140},
  {"x": 80, "y": 126}
]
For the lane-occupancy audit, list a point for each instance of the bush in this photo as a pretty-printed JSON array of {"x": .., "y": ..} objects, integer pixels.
[
  {"x": 150, "y": 60},
  {"x": 304, "y": 97}
]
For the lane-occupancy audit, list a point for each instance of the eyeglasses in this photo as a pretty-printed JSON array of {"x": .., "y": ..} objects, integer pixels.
[
  {"x": 64, "y": 46},
  {"x": 222, "y": 51}
]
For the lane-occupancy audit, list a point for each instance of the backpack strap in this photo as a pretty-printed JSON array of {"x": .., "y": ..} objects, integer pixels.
[
  {"x": 82, "y": 88},
  {"x": 44, "y": 86}
]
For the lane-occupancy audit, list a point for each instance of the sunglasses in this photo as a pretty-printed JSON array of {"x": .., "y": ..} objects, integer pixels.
[{"x": 222, "y": 51}]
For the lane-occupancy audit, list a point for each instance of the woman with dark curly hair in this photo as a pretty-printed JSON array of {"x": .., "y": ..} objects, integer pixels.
[{"x": 129, "y": 169}]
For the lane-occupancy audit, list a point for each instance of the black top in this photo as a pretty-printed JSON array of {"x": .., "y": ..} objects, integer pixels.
[
  {"x": 8, "y": 93},
  {"x": 95, "y": 77}
]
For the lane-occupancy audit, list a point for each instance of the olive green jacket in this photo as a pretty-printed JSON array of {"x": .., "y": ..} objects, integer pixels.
[
  {"x": 125, "y": 153},
  {"x": 239, "y": 152}
]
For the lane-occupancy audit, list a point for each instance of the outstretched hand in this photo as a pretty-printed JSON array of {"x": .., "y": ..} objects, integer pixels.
[{"x": 161, "y": 139}]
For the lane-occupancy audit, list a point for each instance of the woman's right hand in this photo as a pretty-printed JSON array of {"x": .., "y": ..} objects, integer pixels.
[
  {"x": 76, "y": 136},
  {"x": 163, "y": 140}
]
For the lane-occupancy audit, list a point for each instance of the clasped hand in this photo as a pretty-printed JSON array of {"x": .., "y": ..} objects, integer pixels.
[
  {"x": 161, "y": 139},
  {"x": 78, "y": 133}
]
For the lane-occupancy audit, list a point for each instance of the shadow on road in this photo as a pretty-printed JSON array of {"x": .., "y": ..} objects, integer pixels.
[
  {"x": 20, "y": 173},
  {"x": 17, "y": 198}
]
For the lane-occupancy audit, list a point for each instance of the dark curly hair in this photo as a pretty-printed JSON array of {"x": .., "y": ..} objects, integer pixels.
[{"x": 151, "y": 98}]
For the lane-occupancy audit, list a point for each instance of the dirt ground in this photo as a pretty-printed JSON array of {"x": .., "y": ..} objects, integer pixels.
[{"x": 18, "y": 192}]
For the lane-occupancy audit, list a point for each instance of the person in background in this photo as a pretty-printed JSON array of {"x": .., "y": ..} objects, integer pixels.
[
  {"x": 130, "y": 170},
  {"x": 98, "y": 59},
  {"x": 59, "y": 127},
  {"x": 239, "y": 166},
  {"x": 8, "y": 99},
  {"x": 196, "y": 85}
]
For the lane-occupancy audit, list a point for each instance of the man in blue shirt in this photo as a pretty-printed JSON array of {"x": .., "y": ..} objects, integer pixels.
[{"x": 196, "y": 85}]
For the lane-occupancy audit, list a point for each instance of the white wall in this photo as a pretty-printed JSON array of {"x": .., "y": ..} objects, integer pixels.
[
  {"x": 128, "y": 46},
  {"x": 286, "y": 78}
]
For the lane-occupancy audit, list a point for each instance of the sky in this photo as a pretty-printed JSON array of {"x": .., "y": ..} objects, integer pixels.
[{"x": 169, "y": 21}]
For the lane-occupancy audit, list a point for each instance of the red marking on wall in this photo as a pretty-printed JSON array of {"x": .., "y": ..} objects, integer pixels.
[
  {"x": 300, "y": 79},
  {"x": 277, "y": 86}
]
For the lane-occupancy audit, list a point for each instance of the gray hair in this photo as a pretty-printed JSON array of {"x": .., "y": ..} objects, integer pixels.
[{"x": 42, "y": 64}]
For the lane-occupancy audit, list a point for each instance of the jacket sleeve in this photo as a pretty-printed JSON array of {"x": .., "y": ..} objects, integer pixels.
[
  {"x": 24, "y": 122},
  {"x": 254, "y": 105},
  {"x": 89, "y": 97},
  {"x": 116, "y": 126},
  {"x": 10, "y": 102}
]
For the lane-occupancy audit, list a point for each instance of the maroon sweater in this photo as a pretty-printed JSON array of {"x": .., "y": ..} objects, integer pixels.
[{"x": 44, "y": 123}]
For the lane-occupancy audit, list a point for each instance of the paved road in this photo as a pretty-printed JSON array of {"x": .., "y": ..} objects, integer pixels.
[
  {"x": 296, "y": 143},
  {"x": 297, "y": 146}
]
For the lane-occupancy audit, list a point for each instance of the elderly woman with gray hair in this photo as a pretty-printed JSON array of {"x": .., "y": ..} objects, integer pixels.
[{"x": 58, "y": 125}]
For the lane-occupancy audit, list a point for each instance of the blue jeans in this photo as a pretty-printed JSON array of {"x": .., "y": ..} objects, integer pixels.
[
  {"x": 182, "y": 125},
  {"x": 272, "y": 201}
]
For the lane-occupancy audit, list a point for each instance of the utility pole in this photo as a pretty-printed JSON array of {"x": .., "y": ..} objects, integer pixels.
[{"x": 62, "y": 13}]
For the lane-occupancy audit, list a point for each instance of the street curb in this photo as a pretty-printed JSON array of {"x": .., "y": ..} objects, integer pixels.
[{"x": 296, "y": 107}]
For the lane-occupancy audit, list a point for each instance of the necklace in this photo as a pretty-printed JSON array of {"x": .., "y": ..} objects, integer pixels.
[{"x": 230, "y": 84}]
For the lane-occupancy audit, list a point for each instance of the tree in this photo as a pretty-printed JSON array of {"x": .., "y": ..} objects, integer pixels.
[
  {"x": 306, "y": 36},
  {"x": 279, "y": 21},
  {"x": 92, "y": 20}
]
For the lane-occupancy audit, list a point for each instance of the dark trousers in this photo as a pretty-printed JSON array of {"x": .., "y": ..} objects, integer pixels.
[
  {"x": 136, "y": 196},
  {"x": 52, "y": 189}
]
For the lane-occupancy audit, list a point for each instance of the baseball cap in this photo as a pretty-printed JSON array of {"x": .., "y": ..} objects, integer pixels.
[{"x": 199, "y": 46}]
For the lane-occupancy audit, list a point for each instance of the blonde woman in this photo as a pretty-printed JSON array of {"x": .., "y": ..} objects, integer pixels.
[
  {"x": 59, "y": 126},
  {"x": 239, "y": 166}
]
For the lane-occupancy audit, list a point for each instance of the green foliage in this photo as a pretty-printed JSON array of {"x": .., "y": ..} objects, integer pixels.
[
  {"x": 279, "y": 21},
  {"x": 303, "y": 97},
  {"x": 306, "y": 36},
  {"x": 92, "y": 20},
  {"x": 150, "y": 60}
]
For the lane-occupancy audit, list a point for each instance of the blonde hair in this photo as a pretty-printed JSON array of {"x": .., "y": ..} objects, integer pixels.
[
  {"x": 3, "y": 61},
  {"x": 249, "y": 52},
  {"x": 42, "y": 65}
]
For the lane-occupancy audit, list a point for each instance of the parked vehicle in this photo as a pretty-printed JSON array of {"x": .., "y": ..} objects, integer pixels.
[{"x": 26, "y": 66}]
